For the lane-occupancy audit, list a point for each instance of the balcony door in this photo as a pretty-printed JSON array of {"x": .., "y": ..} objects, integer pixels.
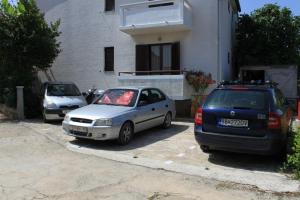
[{"x": 158, "y": 58}]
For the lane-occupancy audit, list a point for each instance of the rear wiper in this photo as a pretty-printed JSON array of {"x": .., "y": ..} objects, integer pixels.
[{"x": 242, "y": 108}]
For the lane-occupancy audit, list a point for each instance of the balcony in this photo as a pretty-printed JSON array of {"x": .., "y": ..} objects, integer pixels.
[
  {"x": 155, "y": 16},
  {"x": 175, "y": 86}
]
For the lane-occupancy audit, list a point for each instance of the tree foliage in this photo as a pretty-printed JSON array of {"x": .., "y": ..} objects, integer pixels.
[
  {"x": 268, "y": 36},
  {"x": 27, "y": 43}
]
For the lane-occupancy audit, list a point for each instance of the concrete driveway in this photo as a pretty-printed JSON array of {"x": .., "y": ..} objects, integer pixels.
[
  {"x": 176, "y": 150},
  {"x": 35, "y": 164}
]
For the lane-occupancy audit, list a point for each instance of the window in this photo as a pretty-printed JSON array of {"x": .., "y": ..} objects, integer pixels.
[
  {"x": 109, "y": 59},
  {"x": 161, "y": 5},
  {"x": 151, "y": 96},
  {"x": 62, "y": 90},
  {"x": 156, "y": 96},
  {"x": 158, "y": 57},
  {"x": 237, "y": 99},
  {"x": 161, "y": 57},
  {"x": 118, "y": 97},
  {"x": 109, "y": 5}
]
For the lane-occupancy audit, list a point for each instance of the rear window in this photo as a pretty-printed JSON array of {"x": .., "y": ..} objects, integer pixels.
[{"x": 237, "y": 99}]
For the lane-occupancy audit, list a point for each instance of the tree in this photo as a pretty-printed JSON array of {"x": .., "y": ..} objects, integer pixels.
[
  {"x": 268, "y": 36},
  {"x": 27, "y": 44}
]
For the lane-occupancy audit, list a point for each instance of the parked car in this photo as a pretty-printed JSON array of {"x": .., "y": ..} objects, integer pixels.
[
  {"x": 119, "y": 113},
  {"x": 59, "y": 98},
  {"x": 238, "y": 117}
]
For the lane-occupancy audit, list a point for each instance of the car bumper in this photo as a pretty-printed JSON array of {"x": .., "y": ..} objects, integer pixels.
[
  {"x": 270, "y": 144},
  {"x": 93, "y": 133},
  {"x": 56, "y": 114}
]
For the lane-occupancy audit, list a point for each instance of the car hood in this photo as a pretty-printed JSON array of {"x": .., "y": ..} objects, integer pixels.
[
  {"x": 94, "y": 111},
  {"x": 67, "y": 100}
]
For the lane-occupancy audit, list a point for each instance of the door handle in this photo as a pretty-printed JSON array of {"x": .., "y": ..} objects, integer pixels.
[
  {"x": 167, "y": 106},
  {"x": 153, "y": 109}
]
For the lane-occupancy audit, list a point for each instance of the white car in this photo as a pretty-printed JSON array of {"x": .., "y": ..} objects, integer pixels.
[
  {"x": 119, "y": 113},
  {"x": 59, "y": 98}
]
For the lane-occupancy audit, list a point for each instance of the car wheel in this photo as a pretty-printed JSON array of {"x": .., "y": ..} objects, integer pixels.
[
  {"x": 125, "y": 134},
  {"x": 167, "y": 121},
  {"x": 44, "y": 117}
]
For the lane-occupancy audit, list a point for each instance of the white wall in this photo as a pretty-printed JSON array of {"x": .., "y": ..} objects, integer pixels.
[
  {"x": 227, "y": 30},
  {"x": 87, "y": 29}
]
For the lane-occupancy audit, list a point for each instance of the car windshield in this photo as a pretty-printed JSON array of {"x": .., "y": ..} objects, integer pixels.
[
  {"x": 237, "y": 99},
  {"x": 62, "y": 90},
  {"x": 118, "y": 97}
]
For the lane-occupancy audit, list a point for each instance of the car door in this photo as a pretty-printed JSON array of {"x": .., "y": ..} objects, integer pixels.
[
  {"x": 160, "y": 105},
  {"x": 144, "y": 112}
]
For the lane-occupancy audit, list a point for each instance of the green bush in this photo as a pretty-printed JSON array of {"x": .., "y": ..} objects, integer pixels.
[{"x": 293, "y": 160}]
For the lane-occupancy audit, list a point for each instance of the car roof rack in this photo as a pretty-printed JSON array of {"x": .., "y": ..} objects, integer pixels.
[{"x": 268, "y": 83}]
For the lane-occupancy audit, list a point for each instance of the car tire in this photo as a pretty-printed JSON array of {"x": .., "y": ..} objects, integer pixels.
[
  {"x": 126, "y": 134},
  {"x": 167, "y": 121}
]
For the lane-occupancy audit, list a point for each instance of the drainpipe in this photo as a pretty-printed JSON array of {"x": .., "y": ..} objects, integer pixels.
[{"x": 219, "y": 73}]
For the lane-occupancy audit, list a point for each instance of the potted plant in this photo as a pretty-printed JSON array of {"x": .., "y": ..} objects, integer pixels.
[{"x": 200, "y": 82}]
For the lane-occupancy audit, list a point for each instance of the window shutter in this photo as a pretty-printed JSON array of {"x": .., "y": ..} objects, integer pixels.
[
  {"x": 176, "y": 57},
  {"x": 109, "y": 59},
  {"x": 142, "y": 59}
]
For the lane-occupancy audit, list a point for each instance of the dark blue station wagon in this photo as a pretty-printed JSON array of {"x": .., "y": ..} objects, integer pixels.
[{"x": 245, "y": 118}]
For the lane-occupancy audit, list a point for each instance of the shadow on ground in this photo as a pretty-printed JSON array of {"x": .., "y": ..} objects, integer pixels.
[
  {"x": 141, "y": 139},
  {"x": 246, "y": 161}
]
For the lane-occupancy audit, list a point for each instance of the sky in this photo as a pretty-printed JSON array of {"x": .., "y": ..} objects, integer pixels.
[{"x": 250, "y": 5}]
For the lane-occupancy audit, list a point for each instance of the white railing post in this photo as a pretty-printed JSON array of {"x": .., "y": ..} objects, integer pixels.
[{"x": 20, "y": 102}]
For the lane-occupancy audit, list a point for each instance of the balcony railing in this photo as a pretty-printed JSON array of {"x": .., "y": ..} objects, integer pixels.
[
  {"x": 155, "y": 72},
  {"x": 155, "y": 16}
]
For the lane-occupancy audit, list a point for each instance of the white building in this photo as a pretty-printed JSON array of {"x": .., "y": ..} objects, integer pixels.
[{"x": 101, "y": 38}]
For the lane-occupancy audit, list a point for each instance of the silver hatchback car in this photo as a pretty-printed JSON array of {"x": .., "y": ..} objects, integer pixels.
[
  {"x": 59, "y": 98},
  {"x": 119, "y": 113}
]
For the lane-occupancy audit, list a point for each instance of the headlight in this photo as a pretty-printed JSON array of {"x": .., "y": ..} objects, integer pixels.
[
  {"x": 103, "y": 122},
  {"x": 67, "y": 118}
]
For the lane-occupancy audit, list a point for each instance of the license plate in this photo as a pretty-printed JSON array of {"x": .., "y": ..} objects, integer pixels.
[
  {"x": 65, "y": 111},
  {"x": 79, "y": 129},
  {"x": 233, "y": 122}
]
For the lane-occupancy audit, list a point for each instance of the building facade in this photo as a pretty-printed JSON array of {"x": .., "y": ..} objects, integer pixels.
[{"x": 152, "y": 41}]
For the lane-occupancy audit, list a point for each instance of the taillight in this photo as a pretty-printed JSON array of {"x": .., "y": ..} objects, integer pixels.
[
  {"x": 198, "y": 117},
  {"x": 274, "y": 121}
]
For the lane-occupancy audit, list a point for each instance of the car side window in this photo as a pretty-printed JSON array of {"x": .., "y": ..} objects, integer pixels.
[
  {"x": 156, "y": 96},
  {"x": 144, "y": 98}
]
